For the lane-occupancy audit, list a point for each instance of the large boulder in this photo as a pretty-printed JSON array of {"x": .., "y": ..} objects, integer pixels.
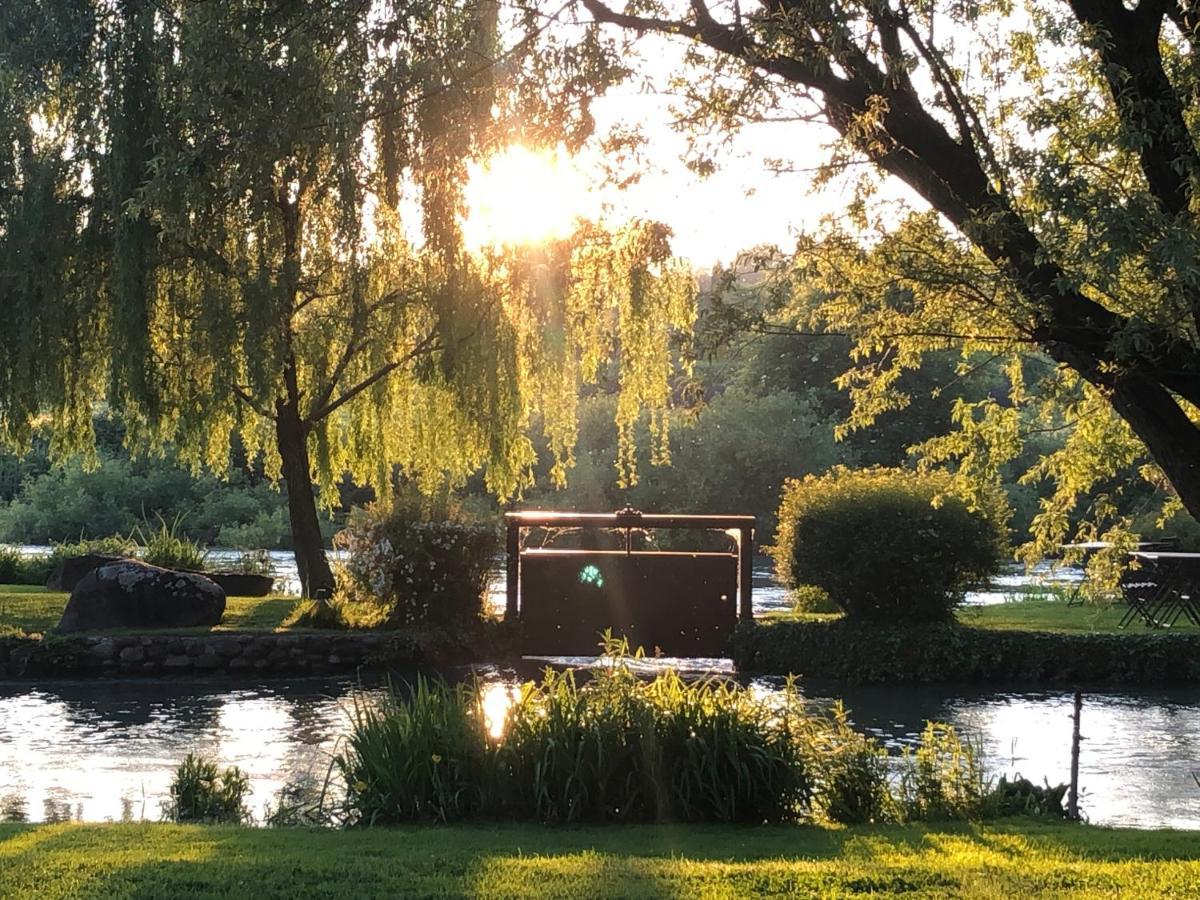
[
  {"x": 70, "y": 571},
  {"x": 132, "y": 594}
]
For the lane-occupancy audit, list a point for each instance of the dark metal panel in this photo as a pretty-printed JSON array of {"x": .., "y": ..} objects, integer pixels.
[{"x": 679, "y": 604}]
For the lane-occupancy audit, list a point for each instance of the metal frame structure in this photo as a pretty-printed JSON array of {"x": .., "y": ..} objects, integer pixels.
[{"x": 741, "y": 528}]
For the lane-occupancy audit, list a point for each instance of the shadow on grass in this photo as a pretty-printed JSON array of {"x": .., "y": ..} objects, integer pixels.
[{"x": 39, "y": 613}]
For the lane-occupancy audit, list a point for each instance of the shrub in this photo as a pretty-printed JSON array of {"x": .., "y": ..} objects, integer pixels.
[
  {"x": 17, "y": 568},
  {"x": 1021, "y": 797},
  {"x": 943, "y": 777},
  {"x": 808, "y": 598},
  {"x": 249, "y": 562},
  {"x": 201, "y": 793},
  {"x": 10, "y": 563},
  {"x": 621, "y": 748},
  {"x": 864, "y": 653},
  {"x": 887, "y": 544},
  {"x": 113, "y": 545},
  {"x": 265, "y": 529},
  {"x": 850, "y": 773},
  {"x": 167, "y": 547},
  {"x": 301, "y": 803},
  {"x": 403, "y": 568},
  {"x": 420, "y": 757}
]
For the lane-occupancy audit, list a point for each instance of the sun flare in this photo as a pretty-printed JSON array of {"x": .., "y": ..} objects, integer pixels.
[{"x": 523, "y": 196}]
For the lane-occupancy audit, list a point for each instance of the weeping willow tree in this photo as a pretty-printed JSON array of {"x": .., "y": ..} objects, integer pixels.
[{"x": 244, "y": 218}]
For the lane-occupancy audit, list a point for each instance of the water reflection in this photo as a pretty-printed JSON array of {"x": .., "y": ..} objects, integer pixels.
[{"x": 106, "y": 751}]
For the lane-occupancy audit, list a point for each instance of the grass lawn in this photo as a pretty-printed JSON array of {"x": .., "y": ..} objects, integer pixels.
[
  {"x": 1055, "y": 615},
  {"x": 1036, "y": 615},
  {"x": 1001, "y": 860},
  {"x": 38, "y": 609}
]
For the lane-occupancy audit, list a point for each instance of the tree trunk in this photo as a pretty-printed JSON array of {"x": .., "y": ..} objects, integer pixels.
[
  {"x": 1170, "y": 436},
  {"x": 292, "y": 439}
]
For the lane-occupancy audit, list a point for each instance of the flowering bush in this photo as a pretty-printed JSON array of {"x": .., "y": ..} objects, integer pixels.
[{"x": 402, "y": 569}]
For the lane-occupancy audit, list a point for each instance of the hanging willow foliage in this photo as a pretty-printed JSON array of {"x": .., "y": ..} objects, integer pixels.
[{"x": 245, "y": 217}]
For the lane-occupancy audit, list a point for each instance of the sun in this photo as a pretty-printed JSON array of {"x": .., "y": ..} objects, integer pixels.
[{"x": 523, "y": 196}]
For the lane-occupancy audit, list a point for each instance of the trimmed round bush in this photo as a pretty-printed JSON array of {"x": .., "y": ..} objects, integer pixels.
[
  {"x": 888, "y": 545},
  {"x": 403, "y": 569}
]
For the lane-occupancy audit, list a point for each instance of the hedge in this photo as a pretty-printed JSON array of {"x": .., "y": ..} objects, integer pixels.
[{"x": 843, "y": 650}]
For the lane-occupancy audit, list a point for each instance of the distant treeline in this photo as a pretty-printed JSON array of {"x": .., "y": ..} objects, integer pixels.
[
  {"x": 41, "y": 502},
  {"x": 750, "y": 418}
]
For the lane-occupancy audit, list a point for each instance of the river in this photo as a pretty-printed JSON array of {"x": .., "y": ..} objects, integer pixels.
[{"x": 106, "y": 750}]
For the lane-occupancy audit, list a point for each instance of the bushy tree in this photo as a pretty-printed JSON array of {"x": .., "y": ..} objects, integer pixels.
[{"x": 888, "y": 545}]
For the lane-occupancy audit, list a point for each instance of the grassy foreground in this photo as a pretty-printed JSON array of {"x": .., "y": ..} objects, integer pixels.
[
  {"x": 1002, "y": 860},
  {"x": 36, "y": 609}
]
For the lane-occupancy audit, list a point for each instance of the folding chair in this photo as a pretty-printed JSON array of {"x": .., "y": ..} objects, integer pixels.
[{"x": 1145, "y": 591}]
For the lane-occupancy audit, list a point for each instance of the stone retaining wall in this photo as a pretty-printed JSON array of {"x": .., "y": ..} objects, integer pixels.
[{"x": 232, "y": 653}]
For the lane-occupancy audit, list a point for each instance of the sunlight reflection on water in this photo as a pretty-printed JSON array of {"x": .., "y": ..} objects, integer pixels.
[{"x": 106, "y": 750}]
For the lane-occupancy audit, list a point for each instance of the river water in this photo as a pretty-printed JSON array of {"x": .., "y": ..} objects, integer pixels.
[{"x": 106, "y": 749}]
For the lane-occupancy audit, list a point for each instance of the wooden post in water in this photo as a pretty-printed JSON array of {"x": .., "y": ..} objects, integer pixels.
[
  {"x": 746, "y": 573},
  {"x": 512, "y": 570},
  {"x": 1073, "y": 790}
]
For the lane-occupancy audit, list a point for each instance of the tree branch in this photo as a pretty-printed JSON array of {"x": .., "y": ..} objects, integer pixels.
[
  {"x": 1145, "y": 99},
  {"x": 244, "y": 395},
  {"x": 426, "y": 345}
]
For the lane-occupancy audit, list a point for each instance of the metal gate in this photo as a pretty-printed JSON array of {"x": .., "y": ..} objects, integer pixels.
[{"x": 675, "y": 603}]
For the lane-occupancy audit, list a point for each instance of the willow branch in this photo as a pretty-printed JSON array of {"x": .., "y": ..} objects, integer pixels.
[{"x": 426, "y": 345}]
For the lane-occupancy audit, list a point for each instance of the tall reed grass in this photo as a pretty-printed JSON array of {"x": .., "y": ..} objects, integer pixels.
[{"x": 618, "y": 748}]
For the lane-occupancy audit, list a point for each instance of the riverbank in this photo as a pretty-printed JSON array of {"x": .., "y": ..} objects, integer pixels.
[
  {"x": 1031, "y": 642},
  {"x": 251, "y": 640},
  {"x": 1015, "y": 858},
  {"x": 836, "y": 649},
  {"x": 228, "y": 653}
]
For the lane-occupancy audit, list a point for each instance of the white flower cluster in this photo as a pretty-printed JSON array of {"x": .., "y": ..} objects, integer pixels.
[{"x": 414, "y": 566}]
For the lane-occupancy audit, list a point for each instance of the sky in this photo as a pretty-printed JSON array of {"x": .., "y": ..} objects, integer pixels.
[{"x": 743, "y": 205}]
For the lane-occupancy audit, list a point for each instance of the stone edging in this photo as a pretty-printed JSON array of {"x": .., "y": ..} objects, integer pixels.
[{"x": 232, "y": 653}]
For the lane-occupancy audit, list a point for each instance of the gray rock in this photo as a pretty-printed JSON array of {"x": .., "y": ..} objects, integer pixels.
[
  {"x": 228, "y": 647},
  {"x": 68, "y": 573},
  {"x": 132, "y": 654},
  {"x": 131, "y": 594},
  {"x": 103, "y": 649}
]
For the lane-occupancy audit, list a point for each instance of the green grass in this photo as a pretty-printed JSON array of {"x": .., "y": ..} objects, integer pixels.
[
  {"x": 1003, "y": 860},
  {"x": 1034, "y": 614},
  {"x": 1052, "y": 615},
  {"x": 36, "y": 609}
]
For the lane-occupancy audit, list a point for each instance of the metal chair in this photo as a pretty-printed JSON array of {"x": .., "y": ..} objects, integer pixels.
[{"x": 1145, "y": 591}]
